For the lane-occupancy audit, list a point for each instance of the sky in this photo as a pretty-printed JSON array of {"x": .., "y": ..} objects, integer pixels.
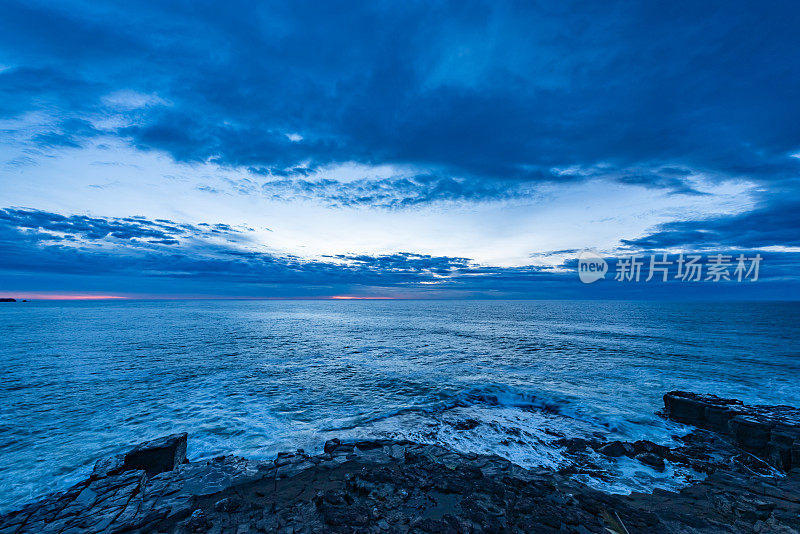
[{"x": 395, "y": 149}]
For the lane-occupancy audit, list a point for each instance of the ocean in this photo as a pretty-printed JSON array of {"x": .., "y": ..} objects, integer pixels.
[{"x": 82, "y": 380}]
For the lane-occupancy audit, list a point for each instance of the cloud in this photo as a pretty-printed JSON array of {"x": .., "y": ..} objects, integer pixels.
[
  {"x": 645, "y": 94},
  {"x": 38, "y": 241},
  {"x": 773, "y": 224},
  {"x": 222, "y": 260},
  {"x": 395, "y": 192},
  {"x": 47, "y": 251},
  {"x": 45, "y": 225}
]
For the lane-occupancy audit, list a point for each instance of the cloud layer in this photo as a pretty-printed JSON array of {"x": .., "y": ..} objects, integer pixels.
[
  {"x": 152, "y": 257},
  {"x": 648, "y": 94}
]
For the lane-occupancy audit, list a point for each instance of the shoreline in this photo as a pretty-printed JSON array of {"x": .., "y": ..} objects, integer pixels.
[{"x": 750, "y": 454}]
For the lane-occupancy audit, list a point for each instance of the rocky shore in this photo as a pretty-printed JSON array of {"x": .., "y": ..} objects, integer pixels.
[{"x": 749, "y": 454}]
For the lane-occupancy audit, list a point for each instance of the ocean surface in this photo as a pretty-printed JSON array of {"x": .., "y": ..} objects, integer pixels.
[{"x": 81, "y": 380}]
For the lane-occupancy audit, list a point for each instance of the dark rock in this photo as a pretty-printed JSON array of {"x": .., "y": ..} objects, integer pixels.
[
  {"x": 796, "y": 455},
  {"x": 573, "y": 445},
  {"x": 751, "y": 433},
  {"x": 780, "y": 447},
  {"x": 467, "y": 424},
  {"x": 616, "y": 449},
  {"x": 108, "y": 466},
  {"x": 643, "y": 445},
  {"x": 197, "y": 522},
  {"x": 228, "y": 504},
  {"x": 331, "y": 445},
  {"x": 159, "y": 455},
  {"x": 769, "y": 432},
  {"x": 685, "y": 408},
  {"x": 653, "y": 460},
  {"x": 4, "y": 299},
  {"x": 717, "y": 417}
]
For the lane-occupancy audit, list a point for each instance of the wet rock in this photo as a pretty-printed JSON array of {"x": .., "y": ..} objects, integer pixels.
[
  {"x": 648, "y": 446},
  {"x": 158, "y": 455},
  {"x": 228, "y": 504},
  {"x": 197, "y": 522},
  {"x": 331, "y": 445},
  {"x": 467, "y": 424},
  {"x": 751, "y": 433},
  {"x": 686, "y": 408},
  {"x": 573, "y": 445},
  {"x": 616, "y": 449},
  {"x": 769, "y": 432},
  {"x": 653, "y": 460},
  {"x": 779, "y": 448}
]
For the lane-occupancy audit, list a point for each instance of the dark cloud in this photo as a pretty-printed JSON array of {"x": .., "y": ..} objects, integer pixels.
[
  {"x": 129, "y": 233},
  {"x": 646, "y": 94},
  {"x": 406, "y": 262},
  {"x": 773, "y": 224}
]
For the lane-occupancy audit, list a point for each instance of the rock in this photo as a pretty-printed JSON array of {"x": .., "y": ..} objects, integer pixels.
[
  {"x": 616, "y": 449},
  {"x": 5, "y": 299},
  {"x": 573, "y": 445},
  {"x": 467, "y": 424},
  {"x": 653, "y": 460},
  {"x": 769, "y": 432},
  {"x": 159, "y": 455},
  {"x": 751, "y": 433},
  {"x": 780, "y": 447},
  {"x": 228, "y": 504},
  {"x": 331, "y": 445},
  {"x": 643, "y": 445},
  {"x": 717, "y": 417},
  {"x": 197, "y": 522},
  {"x": 685, "y": 408},
  {"x": 108, "y": 466},
  {"x": 796, "y": 455}
]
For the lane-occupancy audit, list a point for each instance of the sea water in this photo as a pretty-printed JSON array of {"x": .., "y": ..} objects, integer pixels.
[{"x": 81, "y": 380}]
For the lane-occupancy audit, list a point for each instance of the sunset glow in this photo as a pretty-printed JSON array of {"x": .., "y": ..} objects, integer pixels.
[{"x": 348, "y": 297}]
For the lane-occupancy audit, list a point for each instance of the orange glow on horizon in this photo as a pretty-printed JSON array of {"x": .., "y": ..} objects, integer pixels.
[{"x": 349, "y": 297}]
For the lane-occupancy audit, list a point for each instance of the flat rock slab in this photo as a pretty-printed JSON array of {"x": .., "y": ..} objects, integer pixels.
[
  {"x": 157, "y": 456},
  {"x": 770, "y": 432}
]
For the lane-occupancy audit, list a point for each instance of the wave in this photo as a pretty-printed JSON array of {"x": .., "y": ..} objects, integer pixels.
[{"x": 491, "y": 395}]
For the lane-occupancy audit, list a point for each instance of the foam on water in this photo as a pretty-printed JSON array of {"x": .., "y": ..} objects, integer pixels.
[{"x": 524, "y": 427}]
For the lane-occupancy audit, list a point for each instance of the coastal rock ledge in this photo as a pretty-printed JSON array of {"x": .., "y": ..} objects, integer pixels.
[
  {"x": 380, "y": 486},
  {"x": 770, "y": 432}
]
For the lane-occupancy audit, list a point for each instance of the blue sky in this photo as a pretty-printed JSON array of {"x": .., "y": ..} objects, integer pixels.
[{"x": 407, "y": 149}]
